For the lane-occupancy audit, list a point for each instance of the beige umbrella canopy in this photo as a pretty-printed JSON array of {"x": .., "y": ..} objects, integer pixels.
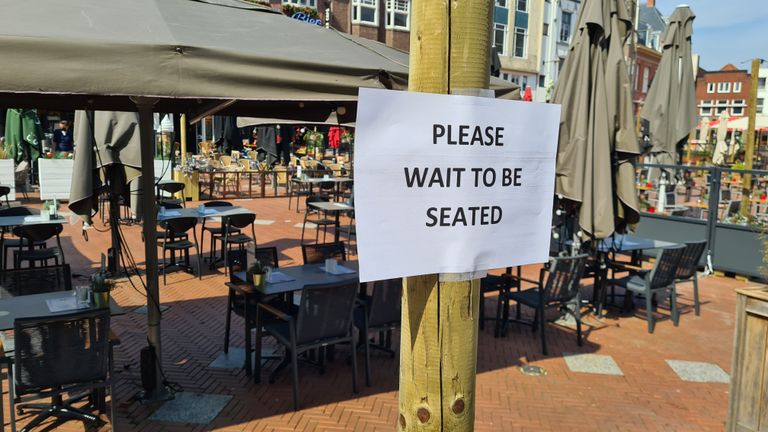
[
  {"x": 721, "y": 147},
  {"x": 107, "y": 145},
  {"x": 597, "y": 133},
  {"x": 671, "y": 103}
]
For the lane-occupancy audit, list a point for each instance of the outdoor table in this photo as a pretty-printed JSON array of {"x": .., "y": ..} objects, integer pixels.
[
  {"x": 302, "y": 275},
  {"x": 12, "y": 221},
  {"x": 311, "y": 181},
  {"x": 35, "y": 305},
  {"x": 336, "y": 209},
  {"x": 210, "y": 212}
]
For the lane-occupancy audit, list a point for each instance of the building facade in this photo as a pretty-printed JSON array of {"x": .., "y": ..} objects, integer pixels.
[
  {"x": 762, "y": 90},
  {"x": 386, "y": 21},
  {"x": 724, "y": 91},
  {"x": 560, "y": 18},
  {"x": 518, "y": 26},
  {"x": 650, "y": 28}
]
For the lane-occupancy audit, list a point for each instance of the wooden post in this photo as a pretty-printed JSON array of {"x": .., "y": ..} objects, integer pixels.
[
  {"x": 183, "y": 138},
  {"x": 450, "y": 44},
  {"x": 749, "y": 154}
]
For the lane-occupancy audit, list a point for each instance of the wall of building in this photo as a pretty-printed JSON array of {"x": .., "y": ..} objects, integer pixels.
[
  {"x": 647, "y": 63},
  {"x": 726, "y": 90},
  {"x": 762, "y": 91}
]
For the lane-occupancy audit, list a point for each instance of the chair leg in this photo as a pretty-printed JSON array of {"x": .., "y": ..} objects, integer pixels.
[
  {"x": 165, "y": 265},
  {"x": 295, "y": 367},
  {"x": 499, "y": 323},
  {"x": 696, "y": 305},
  {"x": 577, "y": 316},
  {"x": 354, "y": 366},
  {"x": 540, "y": 314},
  {"x": 228, "y": 322},
  {"x": 367, "y": 343},
  {"x": 649, "y": 310}
]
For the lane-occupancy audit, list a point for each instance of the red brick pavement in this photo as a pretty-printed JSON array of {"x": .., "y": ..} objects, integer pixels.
[{"x": 649, "y": 396}]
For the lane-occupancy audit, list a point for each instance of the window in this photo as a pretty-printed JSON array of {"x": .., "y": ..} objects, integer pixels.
[
  {"x": 646, "y": 78},
  {"x": 398, "y": 14},
  {"x": 722, "y": 103},
  {"x": 310, "y": 3},
  {"x": 542, "y": 81},
  {"x": 737, "y": 111},
  {"x": 710, "y": 87},
  {"x": 522, "y": 5},
  {"x": 500, "y": 38},
  {"x": 724, "y": 87},
  {"x": 737, "y": 87},
  {"x": 759, "y": 107},
  {"x": 706, "y": 103},
  {"x": 721, "y": 110},
  {"x": 365, "y": 11},
  {"x": 705, "y": 111},
  {"x": 760, "y": 82},
  {"x": 565, "y": 27},
  {"x": 501, "y": 3},
  {"x": 546, "y": 29},
  {"x": 520, "y": 42},
  {"x": 738, "y": 102}
]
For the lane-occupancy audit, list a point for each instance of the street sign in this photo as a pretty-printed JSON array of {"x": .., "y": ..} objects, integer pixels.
[{"x": 451, "y": 184}]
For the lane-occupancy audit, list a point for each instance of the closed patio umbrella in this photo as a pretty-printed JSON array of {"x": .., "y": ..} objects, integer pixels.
[
  {"x": 597, "y": 132},
  {"x": 671, "y": 103},
  {"x": 23, "y": 134},
  {"x": 721, "y": 147}
]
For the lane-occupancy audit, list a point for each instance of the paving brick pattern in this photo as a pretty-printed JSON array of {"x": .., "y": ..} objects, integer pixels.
[{"x": 648, "y": 396}]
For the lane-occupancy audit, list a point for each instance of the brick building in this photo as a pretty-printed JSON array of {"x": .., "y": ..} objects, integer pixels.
[
  {"x": 650, "y": 29},
  {"x": 387, "y": 21},
  {"x": 726, "y": 90}
]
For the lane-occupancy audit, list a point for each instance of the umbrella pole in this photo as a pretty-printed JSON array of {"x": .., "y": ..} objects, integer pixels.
[
  {"x": 749, "y": 154},
  {"x": 438, "y": 344},
  {"x": 159, "y": 392},
  {"x": 114, "y": 223}
]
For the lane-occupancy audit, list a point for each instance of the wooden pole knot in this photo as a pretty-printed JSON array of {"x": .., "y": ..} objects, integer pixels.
[
  {"x": 423, "y": 415},
  {"x": 458, "y": 406},
  {"x": 402, "y": 422}
]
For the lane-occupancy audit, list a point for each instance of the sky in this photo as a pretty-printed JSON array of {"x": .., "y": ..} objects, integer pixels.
[{"x": 732, "y": 31}]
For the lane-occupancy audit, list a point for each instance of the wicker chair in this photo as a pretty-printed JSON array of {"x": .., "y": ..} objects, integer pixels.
[
  {"x": 59, "y": 355},
  {"x": 324, "y": 318},
  {"x": 318, "y": 253},
  {"x": 182, "y": 225},
  {"x": 560, "y": 290},
  {"x": 381, "y": 313},
  {"x": 687, "y": 270},
  {"x": 648, "y": 283}
]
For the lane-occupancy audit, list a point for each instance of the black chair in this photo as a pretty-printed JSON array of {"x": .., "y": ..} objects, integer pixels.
[
  {"x": 215, "y": 231},
  {"x": 299, "y": 189},
  {"x": 14, "y": 243},
  {"x": 493, "y": 284},
  {"x": 560, "y": 290},
  {"x": 4, "y": 192},
  {"x": 171, "y": 188},
  {"x": 687, "y": 270},
  {"x": 182, "y": 225},
  {"x": 648, "y": 283},
  {"x": 38, "y": 233},
  {"x": 316, "y": 217},
  {"x": 318, "y": 253},
  {"x": 239, "y": 301},
  {"x": 232, "y": 223},
  {"x": 61, "y": 355},
  {"x": 324, "y": 318},
  {"x": 380, "y": 313}
]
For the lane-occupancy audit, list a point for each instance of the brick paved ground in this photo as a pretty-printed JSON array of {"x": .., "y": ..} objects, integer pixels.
[{"x": 648, "y": 396}]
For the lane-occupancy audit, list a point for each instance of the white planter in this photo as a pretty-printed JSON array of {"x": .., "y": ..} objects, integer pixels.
[
  {"x": 7, "y": 177},
  {"x": 55, "y": 178}
]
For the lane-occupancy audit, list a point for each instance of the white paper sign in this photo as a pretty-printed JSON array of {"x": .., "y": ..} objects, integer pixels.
[{"x": 452, "y": 184}]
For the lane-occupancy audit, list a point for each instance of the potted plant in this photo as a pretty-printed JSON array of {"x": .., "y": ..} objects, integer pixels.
[
  {"x": 256, "y": 273},
  {"x": 101, "y": 287}
]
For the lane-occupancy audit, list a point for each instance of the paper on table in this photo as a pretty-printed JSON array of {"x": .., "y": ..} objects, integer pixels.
[
  {"x": 207, "y": 211},
  {"x": 171, "y": 213},
  {"x": 33, "y": 219},
  {"x": 278, "y": 276},
  {"x": 63, "y": 304},
  {"x": 340, "y": 270}
]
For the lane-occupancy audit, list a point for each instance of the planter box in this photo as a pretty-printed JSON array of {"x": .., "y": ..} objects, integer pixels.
[
  {"x": 55, "y": 178},
  {"x": 7, "y": 177},
  {"x": 748, "y": 407}
]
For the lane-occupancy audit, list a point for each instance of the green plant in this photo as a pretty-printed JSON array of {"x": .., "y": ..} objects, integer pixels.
[
  {"x": 257, "y": 268},
  {"x": 3, "y": 153},
  {"x": 314, "y": 139},
  {"x": 100, "y": 283}
]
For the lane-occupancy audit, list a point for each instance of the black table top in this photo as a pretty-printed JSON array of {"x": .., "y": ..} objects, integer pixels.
[
  {"x": 303, "y": 275},
  {"x": 35, "y": 305}
]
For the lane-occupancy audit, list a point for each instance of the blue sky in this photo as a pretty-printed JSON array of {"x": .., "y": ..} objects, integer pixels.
[{"x": 732, "y": 31}]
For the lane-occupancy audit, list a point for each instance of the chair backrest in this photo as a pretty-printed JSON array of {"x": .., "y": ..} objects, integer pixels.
[
  {"x": 172, "y": 187},
  {"x": 225, "y": 160},
  {"x": 267, "y": 256},
  {"x": 733, "y": 208},
  {"x": 564, "y": 277},
  {"x": 325, "y": 311},
  {"x": 218, "y": 204},
  {"x": 318, "y": 253},
  {"x": 38, "y": 232},
  {"x": 240, "y": 220},
  {"x": 315, "y": 198},
  {"x": 663, "y": 273},
  {"x": 37, "y": 280},
  {"x": 671, "y": 197},
  {"x": 690, "y": 259},
  {"x": 61, "y": 350},
  {"x": 4, "y": 190},
  {"x": 180, "y": 224},
  {"x": 237, "y": 261},
  {"x": 385, "y": 303},
  {"x": 16, "y": 211}
]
